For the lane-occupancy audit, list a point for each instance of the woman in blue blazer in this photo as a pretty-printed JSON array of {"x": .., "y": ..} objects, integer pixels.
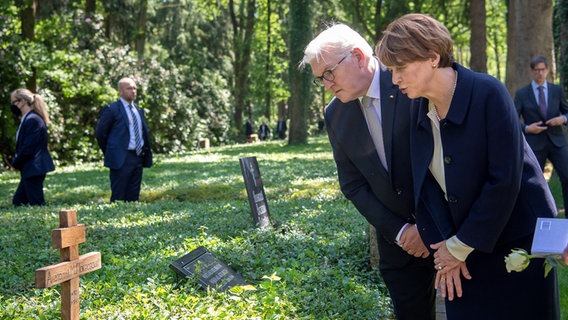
[
  {"x": 32, "y": 157},
  {"x": 478, "y": 187}
]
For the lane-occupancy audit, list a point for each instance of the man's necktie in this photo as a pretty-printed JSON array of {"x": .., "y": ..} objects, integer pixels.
[
  {"x": 137, "y": 138},
  {"x": 375, "y": 128},
  {"x": 542, "y": 102}
]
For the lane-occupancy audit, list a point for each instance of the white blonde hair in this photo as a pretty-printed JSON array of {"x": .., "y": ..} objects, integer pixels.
[{"x": 339, "y": 39}]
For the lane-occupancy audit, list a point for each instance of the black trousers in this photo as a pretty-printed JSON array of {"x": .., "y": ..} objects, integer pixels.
[
  {"x": 559, "y": 159},
  {"x": 125, "y": 182},
  {"x": 30, "y": 191},
  {"x": 411, "y": 288}
]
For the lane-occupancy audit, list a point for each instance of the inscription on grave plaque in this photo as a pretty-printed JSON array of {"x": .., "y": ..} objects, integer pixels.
[
  {"x": 255, "y": 191},
  {"x": 208, "y": 269},
  {"x": 67, "y": 238}
]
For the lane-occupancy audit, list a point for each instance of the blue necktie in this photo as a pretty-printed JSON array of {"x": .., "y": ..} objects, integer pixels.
[{"x": 137, "y": 138}]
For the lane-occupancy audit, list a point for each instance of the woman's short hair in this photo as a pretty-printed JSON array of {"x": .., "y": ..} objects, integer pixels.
[{"x": 415, "y": 37}]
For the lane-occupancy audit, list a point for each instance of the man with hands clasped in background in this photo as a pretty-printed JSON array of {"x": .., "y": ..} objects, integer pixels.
[
  {"x": 544, "y": 111},
  {"x": 123, "y": 137},
  {"x": 368, "y": 126}
]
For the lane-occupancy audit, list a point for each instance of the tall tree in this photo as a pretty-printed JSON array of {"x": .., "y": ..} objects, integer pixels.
[
  {"x": 27, "y": 17},
  {"x": 243, "y": 30},
  {"x": 478, "y": 39},
  {"x": 300, "y": 80},
  {"x": 561, "y": 32},
  {"x": 529, "y": 34},
  {"x": 267, "y": 66},
  {"x": 90, "y": 8},
  {"x": 140, "y": 42}
]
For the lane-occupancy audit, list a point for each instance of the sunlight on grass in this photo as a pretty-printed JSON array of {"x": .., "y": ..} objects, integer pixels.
[
  {"x": 317, "y": 245},
  {"x": 317, "y": 189}
]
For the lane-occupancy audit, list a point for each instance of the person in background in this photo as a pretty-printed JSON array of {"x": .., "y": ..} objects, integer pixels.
[
  {"x": 367, "y": 123},
  {"x": 544, "y": 112},
  {"x": 281, "y": 127},
  {"x": 32, "y": 157},
  {"x": 248, "y": 129},
  {"x": 263, "y": 131},
  {"x": 477, "y": 184},
  {"x": 123, "y": 137}
]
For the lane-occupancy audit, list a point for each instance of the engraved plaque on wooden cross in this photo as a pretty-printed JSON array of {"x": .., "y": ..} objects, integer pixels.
[{"x": 67, "y": 238}]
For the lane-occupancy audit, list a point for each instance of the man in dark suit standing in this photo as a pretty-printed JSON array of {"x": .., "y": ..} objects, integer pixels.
[
  {"x": 544, "y": 111},
  {"x": 281, "y": 127},
  {"x": 123, "y": 137},
  {"x": 368, "y": 126}
]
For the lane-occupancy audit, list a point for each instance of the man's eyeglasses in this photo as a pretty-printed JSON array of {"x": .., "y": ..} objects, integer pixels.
[
  {"x": 327, "y": 74},
  {"x": 538, "y": 70},
  {"x": 16, "y": 101}
]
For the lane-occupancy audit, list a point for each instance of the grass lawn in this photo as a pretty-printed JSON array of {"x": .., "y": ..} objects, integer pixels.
[{"x": 312, "y": 265}]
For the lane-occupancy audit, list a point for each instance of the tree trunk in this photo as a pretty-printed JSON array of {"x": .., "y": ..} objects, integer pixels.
[
  {"x": 267, "y": 69},
  {"x": 478, "y": 40},
  {"x": 27, "y": 17},
  {"x": 529, "y": 34},
  {"x": 141, "y": 29},
  {"x": 109, "y": 18},
  {"x": 90, "y": 8},
  {"x": 300, "y": 81},
  {"x": 242, "y": 44},
  {"x": 562, "y": 24},
  {"x": 373, "y": 247}
]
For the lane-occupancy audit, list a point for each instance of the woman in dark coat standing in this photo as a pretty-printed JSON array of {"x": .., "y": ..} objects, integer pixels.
[
  {"x": 478, "y": 186},
  {"x": 32, "y": 157}
]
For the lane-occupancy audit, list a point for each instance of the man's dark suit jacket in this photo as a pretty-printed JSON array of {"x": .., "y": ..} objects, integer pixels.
[
  {"x": 32, "y": 157},
  {"x": 113, "y": 136},
  {"x": 383, "y": 198},
  {"x": 527, "y": 107}
]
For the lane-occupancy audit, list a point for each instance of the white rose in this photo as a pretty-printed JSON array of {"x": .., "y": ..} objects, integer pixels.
[{"x": 517, "y": 260}]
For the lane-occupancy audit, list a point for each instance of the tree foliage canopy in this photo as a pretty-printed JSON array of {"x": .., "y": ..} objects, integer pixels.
[{"x": 201, "y": 66}]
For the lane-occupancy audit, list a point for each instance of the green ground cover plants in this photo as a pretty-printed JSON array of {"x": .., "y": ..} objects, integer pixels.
[{"x": 312, "y": 264}]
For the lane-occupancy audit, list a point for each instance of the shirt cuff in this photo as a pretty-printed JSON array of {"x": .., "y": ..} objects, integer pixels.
[
  {"x": 458, "y": 249},
  {"x": 397, "y": 239}
]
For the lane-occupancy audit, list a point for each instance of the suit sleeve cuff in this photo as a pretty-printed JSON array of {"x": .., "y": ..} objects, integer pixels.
[{"x": 458, "y": 249}]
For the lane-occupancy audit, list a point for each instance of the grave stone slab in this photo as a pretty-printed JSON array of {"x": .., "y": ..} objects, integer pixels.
[
  {"x": 255, "y": 191},
  {"x": 210, "y": 271}
]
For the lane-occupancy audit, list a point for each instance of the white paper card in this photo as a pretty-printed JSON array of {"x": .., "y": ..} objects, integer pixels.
[{"x": 550, "y": 236}]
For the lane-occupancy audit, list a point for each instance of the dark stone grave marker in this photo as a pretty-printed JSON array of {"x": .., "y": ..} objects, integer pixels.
[
  {"x": 208, "y": 269},
  {"x": 255, "y": 191}
]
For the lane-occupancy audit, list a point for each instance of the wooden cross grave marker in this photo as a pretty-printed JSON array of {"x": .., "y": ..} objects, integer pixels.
[{"x": 67, "y": 238}]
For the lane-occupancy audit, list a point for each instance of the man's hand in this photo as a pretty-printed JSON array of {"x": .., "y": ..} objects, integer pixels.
[
  {"x": 411, "y": 242},
  {"x": 556, "y": 121},
  {"x": 536, "y": 127}
]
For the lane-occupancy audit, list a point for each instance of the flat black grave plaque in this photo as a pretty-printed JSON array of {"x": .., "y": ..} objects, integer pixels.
[
  {"x": 255, "y": 191},
  {"x": 208, "y": 269}
]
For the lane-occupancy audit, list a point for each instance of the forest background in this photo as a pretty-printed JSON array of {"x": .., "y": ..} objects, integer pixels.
[{"x": 203, "y": 66}]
